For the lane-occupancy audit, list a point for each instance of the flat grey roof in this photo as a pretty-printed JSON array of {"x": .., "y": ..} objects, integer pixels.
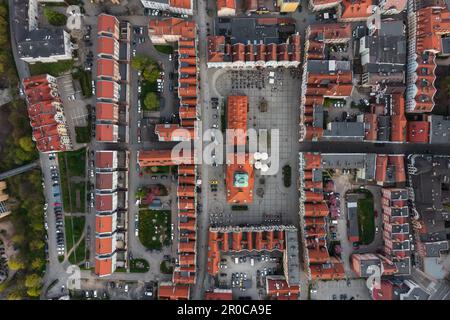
[
  {"x": 327, "y": 66},
  {"x": 439, "y": 129},
  {"x": 344, "y": 131},
  {"x": 248, "y": 30},
  {"x": 293, "y": 262},
  {"x": 364, "y": 161}
]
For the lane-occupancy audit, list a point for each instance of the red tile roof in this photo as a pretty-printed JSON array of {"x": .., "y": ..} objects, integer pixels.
[
  {"x": 103, "y": 267},
  {"x": 173, "y": 292},
  {"x": 172, "y": 26},
  {"x": 107, "y": 111},
  {"x": 237, "y": 108},
  {"x": 106, "y": 132},
  {"x": 418, "y": 131},
  {"x": 357, "y": 10},
  {"x": 162, "y": 158},
  {"x": 108, "y": 24},
  {"x": 173, "y": 132},
  {"x": 103, "y": 245},
  {"x": 237, "y": 194},
  {"x": 104, "y": 202},
  {"x": 104, "y": 180},
  {"x": 107, "y": 46},
  {"x": 104, "y": 224},
  {"x": 219, "y": 295},
  {"x": 107, "y": 68},
  {"x": 104, "y": 159}
]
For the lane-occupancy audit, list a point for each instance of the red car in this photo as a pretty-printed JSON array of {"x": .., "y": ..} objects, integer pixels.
[{"x": 375, "y": 213}]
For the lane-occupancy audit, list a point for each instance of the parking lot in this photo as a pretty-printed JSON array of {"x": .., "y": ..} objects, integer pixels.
[
  {"x": 273, "y": 202},
  {"x": 116, "y": 290},
  {"x": 354, "y": 289},
  {"x": 55, "y": 208},
  {"x": 245, "y": 273}
]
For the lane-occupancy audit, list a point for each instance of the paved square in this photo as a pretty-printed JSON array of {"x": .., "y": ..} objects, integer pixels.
[{"x": 273, "y": 203}]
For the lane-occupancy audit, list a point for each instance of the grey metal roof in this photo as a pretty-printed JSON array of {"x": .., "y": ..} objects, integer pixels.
[
  {"x": 327, "y": 66},
  {"x": 293, "y": 262},
  {"x": 344, "y": 131},
  {"x": 352, "y": 216},
  {"x": 248, "y": 30},
  {"x": 439, "y": 129},
  {"x": 42, "y": 42}
]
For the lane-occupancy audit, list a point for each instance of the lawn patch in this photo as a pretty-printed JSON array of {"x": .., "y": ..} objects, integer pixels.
[
  {"x": 85, "y": 78},
  {"x": 55, "y": 68},
  {"x": 139, "y": 266},
  {"x": 164, "y": 49},
  {"x": 74, "y": 227},
  {"x": 73, "y": 165},
  {"x": 366, "y": 219},
  {"x": 154, "y": 228},
  {"x": 166, "y": 268}
]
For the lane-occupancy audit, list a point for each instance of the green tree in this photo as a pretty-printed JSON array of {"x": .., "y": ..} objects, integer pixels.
[
  {"x": 26, "y": 143},
  {"x": 150, "y": 74},
  {"x": 3, "y": 286},
  {"x": 15, "y": 295},
  {"x": 151, "y": 102},
  {"x": 37, "y": 263},
  {"x": 32, "y": 281},
  {"x": 18, "y": 239},
  {"x": 140, "y": 62},
  {"x": 36, "y": 244},
  {"x": 55, "y": 18},
  {"x": 34, "y": 292},
  {"x": 15, "y": 264}
]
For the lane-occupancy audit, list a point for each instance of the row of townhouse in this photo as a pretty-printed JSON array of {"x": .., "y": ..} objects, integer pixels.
[
  {"x": 46, "y": 113},
  {"x": 358, "y": 10},
  {"x": 384, "y": 170},
  {"x": 277, "y": 238},
  {"x": 184, "y": 33},
  {"x": 228, "y": 7},
  {"x": 111, "y": 178},
  {"x": 382, "y": 49},
  {"x": 111, "y": 205},
  {"x": 323, "y": 79},
  {"x": 314, "y": 212},
  {"x": 174, "y": 6},
  {"x": 256, "y": 50},
  {"x": 112, "y": 72},
  {"x": 428, "y": 32}
]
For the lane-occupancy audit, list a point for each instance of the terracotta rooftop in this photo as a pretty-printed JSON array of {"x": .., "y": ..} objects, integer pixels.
[
  {"x": 108, "y": 24},
  {"x": 103, "y": 267},
  {"x": 240, "y": 181},
  {"x": 162, "y": 158},
  {"x": 172, "y": 26},
  {"x": 173, "y": 292},
  {"x": 237, "y": 108},
  {"x": 105, "y": 159},
  {"x": 106, "y": 132}
]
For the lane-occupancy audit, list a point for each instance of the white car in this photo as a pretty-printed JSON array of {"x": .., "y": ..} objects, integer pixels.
[
  {"x": 170, "y": 57},
  {"x": 134, "y": 52},
  {"x": 139, "y": 89},
  {"x": 126, "y": 288},
  {"x": 136, "y": 232},
  {"x": 139, "y": 139},
  {"x": 46, "y": 226},
  {"x": 139, "y": 123}
]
